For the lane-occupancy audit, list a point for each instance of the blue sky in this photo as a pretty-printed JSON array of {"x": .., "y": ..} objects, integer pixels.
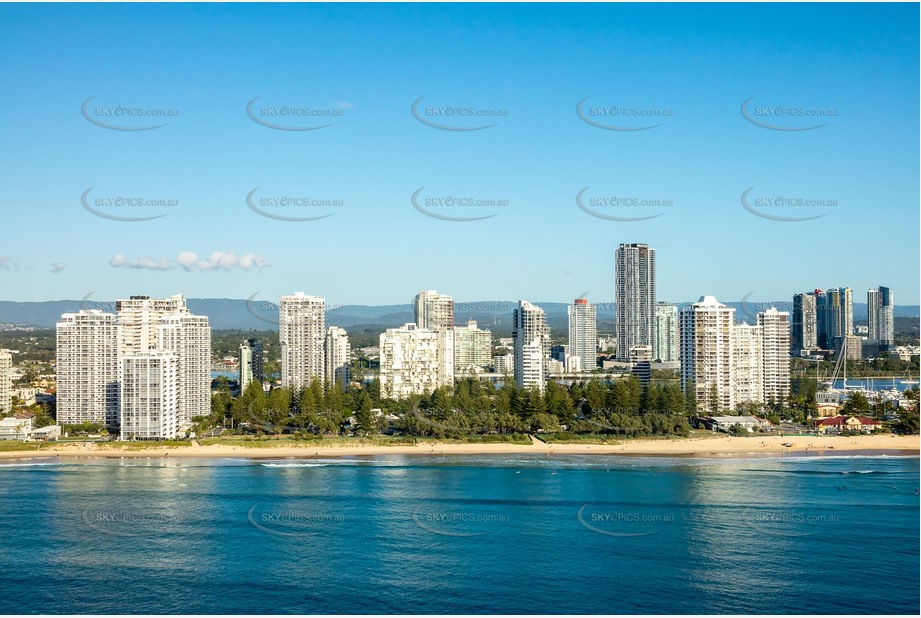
[{"x": 369, "y": 63}]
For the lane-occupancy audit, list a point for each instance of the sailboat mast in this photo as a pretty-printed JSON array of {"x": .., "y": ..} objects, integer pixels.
[{"x": 844, "y": 356}]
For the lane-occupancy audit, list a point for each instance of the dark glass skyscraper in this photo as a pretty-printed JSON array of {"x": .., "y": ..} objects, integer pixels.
[
  {"x": 634, "y": 297},
  {"x": 251, "y": 362},
  {"x": 804, "y": 335}
]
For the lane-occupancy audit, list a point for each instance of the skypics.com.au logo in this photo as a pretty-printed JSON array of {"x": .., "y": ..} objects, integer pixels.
[
  {"x": 622, "y": 118},
  {"x": 627, "y": 207},
  {"x": 293, "y": 206},
  {"x": 786, "y": 117},
  {"x": 295, "y": 117},
  {"x": 474, "y": 208},
  {"x": 767, "y": 206},
  {"x": 126, "y": 207},
  {"x": 126, "y": 117},
  {"x": 462, "y": 118}
]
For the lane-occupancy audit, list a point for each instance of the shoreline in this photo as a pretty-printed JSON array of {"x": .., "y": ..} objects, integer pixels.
[{"x": 715, "y": 446}]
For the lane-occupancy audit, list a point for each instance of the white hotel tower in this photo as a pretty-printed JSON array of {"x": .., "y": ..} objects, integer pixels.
[
  {"x": 139, "y": 321},
  {"x": 472, "y": 347},
  {"x": 87, "y": 368},
  {"x": 706, "y": 329},
  {"x": 96, "y": 349},
  {"x": 302, "y": 335},
  {"x": 775, "y": 330},
  {"x": 151, "y": 325},
  {"x": 748, "y": 364},
  {"x": 736, "y": 363},
  {"x": 409, "y": 361},
  {"x": 189, "y": 337},
  {"x": 531, "y": 336},
  {"x": 583, "y": 333},
  {"x": 6, "y": 381},
  {"x": 435, "y": 312},
  {"x": 337, "y": 357},
  {"x": 149, "y": 396},
  {"x": 666, "y": 348}
]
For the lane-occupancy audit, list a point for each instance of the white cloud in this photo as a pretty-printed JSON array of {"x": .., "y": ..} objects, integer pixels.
[
  {"x": 145, "y": 263},
  {"x": 220, "y": 260},
  {"x": 57, "y": 267},
  {"x": 190, "y": 262},
  {"x": 187, "y": 260},
  {"x": 7, "y": 263}
]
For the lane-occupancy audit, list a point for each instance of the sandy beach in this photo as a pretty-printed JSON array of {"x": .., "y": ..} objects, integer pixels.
[{"x": 718, "y": 445}]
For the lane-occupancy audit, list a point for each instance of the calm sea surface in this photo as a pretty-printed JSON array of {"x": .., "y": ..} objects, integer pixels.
[
  {"x": 874, "y": 384},
  {"x": 484, "y": 534}
]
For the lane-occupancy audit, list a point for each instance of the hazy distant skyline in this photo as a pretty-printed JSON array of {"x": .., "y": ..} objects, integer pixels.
[{"x": 366, "y": 66}]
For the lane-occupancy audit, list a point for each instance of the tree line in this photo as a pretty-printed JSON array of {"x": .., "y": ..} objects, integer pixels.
[{"x": 622, "y": 407}]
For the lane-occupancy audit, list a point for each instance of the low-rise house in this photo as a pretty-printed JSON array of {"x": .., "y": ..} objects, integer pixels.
[
  {"x": 26, "y": 395},
  {"x": 838, "y": 424},
  {"x": 828, "y": 410},
  {"x": 44, "y": 434},
  {"x": 17, "y": 427},
  {"x": 724, "y": 423},
  {"x": 837, "y": 397}
]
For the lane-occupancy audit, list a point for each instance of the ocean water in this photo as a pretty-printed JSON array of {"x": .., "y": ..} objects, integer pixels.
[{"x": 484, "y": 534}]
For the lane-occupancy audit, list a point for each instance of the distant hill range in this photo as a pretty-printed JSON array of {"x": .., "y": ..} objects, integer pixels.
[{"x": 225, "y": 313}]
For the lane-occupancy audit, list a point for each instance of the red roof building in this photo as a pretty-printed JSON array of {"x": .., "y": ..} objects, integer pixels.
[{"x": 838, "y": 424}]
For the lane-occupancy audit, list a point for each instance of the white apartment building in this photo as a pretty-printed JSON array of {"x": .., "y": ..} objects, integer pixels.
[
  {"x": 17, "y": 427},
  {"x": 748, "y": 364},
  {"x": 302, "y": 335},
  {"x": 634, "y": 297},
  {"x": 139, "y": 321},
  {"x": 640, "y": 354},
  {"x": 775, "y": 330},
  {"x": 87, "y": 368},
  {"x": 705, "y": 331},
  {"x": 905, "y": 352},
  {"x": 472, "y": 347},
  {"x": 409, "y": 361},
  {"x": 148, "y": 324},
  {"x": 433, "y": 311},
  {"x": 666, "y": 346},
  {"x": 149, "y": 396},
  {"x": 246, "y": 365},
  {"x": 573, "y": 364},
  {"x": 531, "y": 366},
  {"x": 852, "y": 347},
  {"x": 504, "y": 364},
  {"x": 337, "y": 357},
  {"x": 6, "y": 382},
  {"x": 530, "y": 329},
  {"x": 583, "y": 333},
  {"x": 607, "y": 343},
  {"x": 752, "y": 368},
  {"x": 189, "y": 338},
  {"x": 445, "y": 357}
]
